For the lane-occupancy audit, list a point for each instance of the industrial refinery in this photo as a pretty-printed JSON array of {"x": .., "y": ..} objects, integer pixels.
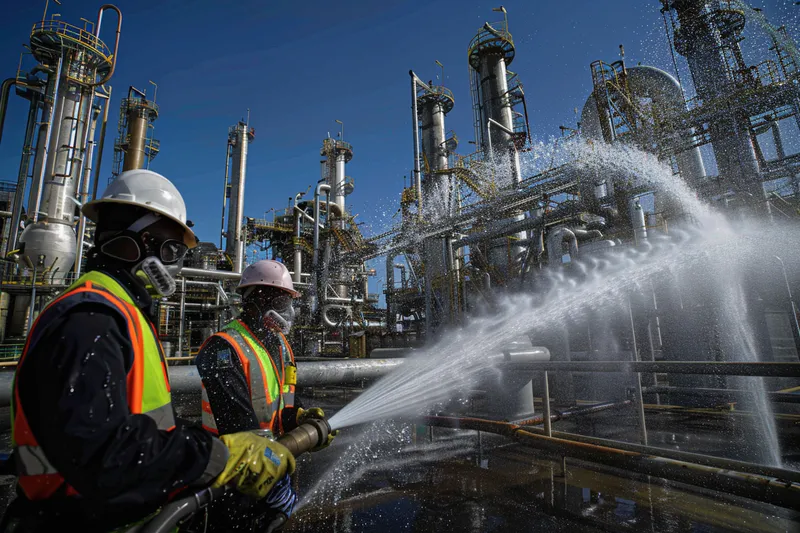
[{"x": 610, "y": 313}]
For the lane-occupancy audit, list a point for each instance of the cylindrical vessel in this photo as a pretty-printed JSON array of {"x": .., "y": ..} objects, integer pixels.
[
  {"x": 64, "y": 167},
  {"x": 338, "y": 180},
  {"x": 137, "y": 129},
  {"x": 240, "y": 137}
]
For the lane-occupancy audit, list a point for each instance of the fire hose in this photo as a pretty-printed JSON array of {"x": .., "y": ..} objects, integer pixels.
[{"x": 303, "y": 438}]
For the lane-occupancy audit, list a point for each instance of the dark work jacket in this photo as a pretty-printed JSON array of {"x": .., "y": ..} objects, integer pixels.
[
  {"x": 73, "y": 388},
  {"x": 229, "y": 396},
  {"x": 227, "y": 388}
]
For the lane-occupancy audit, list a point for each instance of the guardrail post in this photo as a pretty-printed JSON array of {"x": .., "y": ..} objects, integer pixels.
[{"x": 548, "y": 429}]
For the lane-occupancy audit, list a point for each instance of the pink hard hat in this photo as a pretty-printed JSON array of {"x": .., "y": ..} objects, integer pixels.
[{"x": 267, "y": 273}]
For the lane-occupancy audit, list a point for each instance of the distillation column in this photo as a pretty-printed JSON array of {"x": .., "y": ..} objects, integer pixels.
[
  {"x": 337, "y": 154},
  {"x": 433, "y": 103},
  {"x": 135, "y": 146},
  {"x": 75, "y": 68},
  {"x": 490, "y": 53},
  {"x": 704, "y": 35},
  {"x": 239, "y": 137}
]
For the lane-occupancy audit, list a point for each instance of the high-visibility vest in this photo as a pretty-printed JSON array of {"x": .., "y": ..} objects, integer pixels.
[
  {"x": 263, "y": 375},
  {"x": 147, "y": 386}
]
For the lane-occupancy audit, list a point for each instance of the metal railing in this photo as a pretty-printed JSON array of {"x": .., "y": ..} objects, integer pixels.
[{"x": 73, "y": 33}]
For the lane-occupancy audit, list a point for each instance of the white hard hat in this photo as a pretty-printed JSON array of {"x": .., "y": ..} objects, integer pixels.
[
  {"x": 267, "y": 273},
  {"x": 147, "y": 189}
]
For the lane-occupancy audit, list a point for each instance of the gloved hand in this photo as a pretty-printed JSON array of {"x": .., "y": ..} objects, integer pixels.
[
  {"x": 318, "y": 414},
  {"x": 255, "y": 464}
]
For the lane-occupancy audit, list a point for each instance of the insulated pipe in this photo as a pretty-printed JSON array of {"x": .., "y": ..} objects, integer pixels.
[
  {"x": 328, "y": 321},
  {"x": 43, "y": 150},
  {"x": 638, "y": 221},
  {"x": 103, "y": 8},
  {"x": 554, "y": 239},
  {"x": 315, "y": 258},
  {"x": 415, "y": 128},
  {"x": 225, "y": 192},
  {"x": 22, "y": 176},
  {"x": 101, "y": 143},
  {"x": 211, "y": 274},
  {"x": 5, "y": 92},
  {"x": 182, "y": 317},
  {"x": 298, "y": 251},
  {"x": 390, "y": 313},
  {"x": 84, "y": 190}
]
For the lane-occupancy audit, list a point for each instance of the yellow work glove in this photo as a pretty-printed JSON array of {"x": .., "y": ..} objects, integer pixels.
[
  {"x": 254, "y": 464},
  {"x": 319, "y": 414}
]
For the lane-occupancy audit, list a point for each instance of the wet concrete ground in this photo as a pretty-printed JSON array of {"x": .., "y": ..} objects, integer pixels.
[{"x": 398, "y": 478}]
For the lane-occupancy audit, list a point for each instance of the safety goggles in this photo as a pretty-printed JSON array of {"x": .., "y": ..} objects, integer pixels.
[
  {"x": 127, "y": 248},
  {"x": 279, "y": 303}
]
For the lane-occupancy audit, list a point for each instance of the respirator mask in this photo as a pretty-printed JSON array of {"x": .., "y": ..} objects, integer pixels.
[
  {"x": 279, "y": 314},
  {"x": 155, "y": 261}
]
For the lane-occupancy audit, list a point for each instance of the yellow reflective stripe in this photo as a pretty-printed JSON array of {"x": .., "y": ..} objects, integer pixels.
[
  {"x": 258, "y": 393},
  {"x": 270, "y": 366},
  {"x": 155, "y": 393}
]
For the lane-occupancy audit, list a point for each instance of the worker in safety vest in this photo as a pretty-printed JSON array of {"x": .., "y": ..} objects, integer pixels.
[
  {"x": 97, "y": 446},
  {"x": 248, "y": 373}
]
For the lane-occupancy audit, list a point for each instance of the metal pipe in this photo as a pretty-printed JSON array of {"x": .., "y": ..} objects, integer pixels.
[
  {"x": 84, "y": 191},
  {"x": 103, "y": 8},
  {"x": 22, "y": 176},
  {"x": 566, "y": 414},
  {"x": 793, "y": 312},
  {"x": 554, "y": 240},
  {"x": 225, "y": 192},
  {"x": 33, "y": 300},
  {"x": 182, "y": 316},
  {"x": 638, "y": 222},
  {"x": 101, "y": 143},
  {"x": 415, "y": 127},
  {"x": 5, "y": 92},
  {"x": 45, "y": 150},
  {"x": 639, "y": 400},
  {"x": 314, "y": 299},
  {"x": 727, "y": 394},
  {"x": 211, "y": 274},
  {"x": 216, "y": 286},
  {"x": 671, "y": 367},
  {"x": 548, "y": 418},
  {"x": 298, "y": 250},
  {"x": 775, "y": 491}
]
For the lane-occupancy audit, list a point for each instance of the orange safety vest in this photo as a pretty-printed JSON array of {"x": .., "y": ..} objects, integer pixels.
[
  {"x": 147, "y": 385},
  {"x": 264, "y": 379}
]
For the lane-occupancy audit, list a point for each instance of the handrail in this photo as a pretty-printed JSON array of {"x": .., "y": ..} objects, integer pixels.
[{"x": 74, "y": 33}]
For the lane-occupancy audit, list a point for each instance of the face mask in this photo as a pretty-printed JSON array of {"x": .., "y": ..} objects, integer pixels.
[
  {"x": 160, "y": 277},
  {"x": 279, "y": 315},
  {"x": 160, "y": 267}
]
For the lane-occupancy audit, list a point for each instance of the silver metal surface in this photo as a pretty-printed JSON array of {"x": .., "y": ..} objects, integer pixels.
[{"x": 240, "y": 138}]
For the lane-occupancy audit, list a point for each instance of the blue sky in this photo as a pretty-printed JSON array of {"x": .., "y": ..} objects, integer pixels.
[{"x": 299, "y": 66}]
